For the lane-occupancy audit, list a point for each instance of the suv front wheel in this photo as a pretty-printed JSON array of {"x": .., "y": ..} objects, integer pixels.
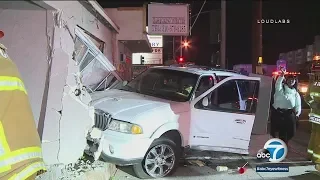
[{"x": 161, "y": 159}]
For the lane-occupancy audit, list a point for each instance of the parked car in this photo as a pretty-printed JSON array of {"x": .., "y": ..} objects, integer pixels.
[{"x": 148, "y": 121}]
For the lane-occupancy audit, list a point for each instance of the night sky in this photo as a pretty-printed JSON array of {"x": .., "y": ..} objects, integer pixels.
[{"x": 304, "y": 25}]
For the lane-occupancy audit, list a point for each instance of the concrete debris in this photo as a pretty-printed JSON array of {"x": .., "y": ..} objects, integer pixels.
[
  {"x": 57, "y": 18},
  {"x": 80, "y": 170},
  {"x": 96, "y": 133},
  {"x": 197, "y": 162},
  {"x": 94, "y": 139}
]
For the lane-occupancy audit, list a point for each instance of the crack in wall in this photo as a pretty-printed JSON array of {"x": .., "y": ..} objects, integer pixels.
[
  {"x": 50, "y": 53},
  {"x": 59, "y": 140}
]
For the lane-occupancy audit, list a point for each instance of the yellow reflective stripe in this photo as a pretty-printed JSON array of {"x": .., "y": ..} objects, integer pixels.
[
  {"x": 315, "y": 94},
  {"x": 8, "y": 83},
  {"x": 316, "y": 155},
  {"x": 4, "y": 146},
  {"x": 5, "y": 168},
  {"x": 18, "y": 156},
  {"x": 310, "y": 151},
  {"x": 29, "y": 171}
]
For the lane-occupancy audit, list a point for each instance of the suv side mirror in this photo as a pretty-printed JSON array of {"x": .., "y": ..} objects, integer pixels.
[
  {"x": 124, "y": 83},
  {"x": 205, "y": 101}
]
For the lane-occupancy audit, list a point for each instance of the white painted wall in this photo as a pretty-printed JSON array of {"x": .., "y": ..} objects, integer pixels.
[
  {"x": 66, "y": 144},
  {"x": 26, "y": 33},
  {"x": 131, "y": 23},
  {"x": 25, "y": 37}
]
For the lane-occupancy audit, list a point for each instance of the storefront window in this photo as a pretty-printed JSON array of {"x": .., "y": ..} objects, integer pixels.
[{"x": 96, "y": 71}]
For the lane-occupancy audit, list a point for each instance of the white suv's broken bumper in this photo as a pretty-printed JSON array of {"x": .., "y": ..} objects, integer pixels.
[{"x": 124, "y": 150}]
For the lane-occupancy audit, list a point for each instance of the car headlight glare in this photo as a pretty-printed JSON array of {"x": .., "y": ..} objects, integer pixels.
[
  {"x": 124, "y": 127},
  {"x": 304, "y": 89}
]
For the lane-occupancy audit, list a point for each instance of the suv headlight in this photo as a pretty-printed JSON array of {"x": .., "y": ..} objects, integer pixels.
[{"x": 124, "y": 127}]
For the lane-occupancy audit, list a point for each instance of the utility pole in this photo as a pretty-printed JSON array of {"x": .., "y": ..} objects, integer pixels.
[
  {"x": 223, "y": 35},
  {"x": 256, "y": 34},
  {"x": 180, "y": 46},
  {"x": 173, "y": 48}
]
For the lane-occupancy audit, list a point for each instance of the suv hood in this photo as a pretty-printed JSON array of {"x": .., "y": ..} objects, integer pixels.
[{"x": 124, "y": 105}]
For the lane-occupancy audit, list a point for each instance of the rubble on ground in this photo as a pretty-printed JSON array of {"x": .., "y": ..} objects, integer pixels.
[{"x": 84, "y": 169}]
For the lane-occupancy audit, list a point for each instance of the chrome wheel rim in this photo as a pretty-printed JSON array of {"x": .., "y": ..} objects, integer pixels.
[{"x": 159, "y": 161}]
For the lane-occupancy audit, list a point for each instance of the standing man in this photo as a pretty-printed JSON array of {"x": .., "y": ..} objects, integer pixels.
[
  {"x": 286, "y": 108},
  {"x": 20, "y": 147},
  {"x": 313, "y": 99}
]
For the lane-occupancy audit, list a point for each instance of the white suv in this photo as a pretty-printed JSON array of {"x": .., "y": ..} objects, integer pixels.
[{"x": 148, "y": 121}]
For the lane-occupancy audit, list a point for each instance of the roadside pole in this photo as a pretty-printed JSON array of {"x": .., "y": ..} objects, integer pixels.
[
  {"x": 180, "y": 46},
  {"x": 223, "y": 35}
]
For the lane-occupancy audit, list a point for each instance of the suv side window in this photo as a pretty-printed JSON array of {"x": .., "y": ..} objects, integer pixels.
[
  {"x": 205, "y": 83},
  {"x": 226, "y": 97},
  {"x": 249, "y": 91}
]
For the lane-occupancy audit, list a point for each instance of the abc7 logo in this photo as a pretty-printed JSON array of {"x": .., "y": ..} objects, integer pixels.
[{"x": 263, "y": 155}]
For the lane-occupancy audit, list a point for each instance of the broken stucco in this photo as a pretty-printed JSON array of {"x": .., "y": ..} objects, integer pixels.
[
  {"x": 41, "y": 42},
  {"x": 67, "y": 118}
]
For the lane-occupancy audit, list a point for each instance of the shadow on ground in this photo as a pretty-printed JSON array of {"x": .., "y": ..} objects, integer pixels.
[
  {"x": 202, "y": 163},
  {"x": 184, "y": 169},
  {"x": 311, "y": 175}
]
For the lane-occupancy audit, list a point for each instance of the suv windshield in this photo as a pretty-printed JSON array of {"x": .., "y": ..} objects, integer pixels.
[{"x": 163, "y": 83}]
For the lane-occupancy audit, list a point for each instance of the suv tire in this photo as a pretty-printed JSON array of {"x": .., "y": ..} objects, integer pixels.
[{"x": 169, "y": 158}]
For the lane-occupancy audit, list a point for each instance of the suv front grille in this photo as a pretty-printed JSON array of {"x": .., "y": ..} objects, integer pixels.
[{"x": 101, "y": 119}]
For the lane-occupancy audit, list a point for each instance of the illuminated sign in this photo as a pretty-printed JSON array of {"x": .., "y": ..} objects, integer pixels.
[{"x": 156, "y": 41}]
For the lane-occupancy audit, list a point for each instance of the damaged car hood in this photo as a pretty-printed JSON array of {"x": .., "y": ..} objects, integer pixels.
[{"x": 125, "y": 105}]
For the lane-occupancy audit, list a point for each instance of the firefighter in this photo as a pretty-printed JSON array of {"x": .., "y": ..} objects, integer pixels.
[
  {"x": 313, "y": 99},
  {"x": 20, "y": 147}
]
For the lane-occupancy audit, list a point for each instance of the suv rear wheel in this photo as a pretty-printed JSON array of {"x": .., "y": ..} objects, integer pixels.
[{"x": 162, "y": 159}]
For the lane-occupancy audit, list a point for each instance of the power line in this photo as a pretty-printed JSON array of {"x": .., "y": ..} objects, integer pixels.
[{"x": 198, "y": 14}]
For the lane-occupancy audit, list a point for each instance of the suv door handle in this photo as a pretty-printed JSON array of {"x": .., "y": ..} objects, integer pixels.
[{"x": 240, "y": 121}]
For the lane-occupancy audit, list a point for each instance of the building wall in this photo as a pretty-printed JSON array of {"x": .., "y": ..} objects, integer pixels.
[
  {"x": 33, "y": 40},
  {"x": 316, "y": 45},
  {"x": 302, "y": 55},
  {"x": 25, "y": 37},
  {"x": 131, "y": 21},
  {"x": 64, "y": 130},
  {"x": 310, "y": 52}
]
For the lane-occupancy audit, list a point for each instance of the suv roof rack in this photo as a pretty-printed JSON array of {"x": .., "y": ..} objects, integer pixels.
[
  {"x": 206, "y": 68},
  {"x": 212, "y": 69}
]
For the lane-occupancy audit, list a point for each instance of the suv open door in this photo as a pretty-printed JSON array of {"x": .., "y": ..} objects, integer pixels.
[{"x": 222, "y": 118}]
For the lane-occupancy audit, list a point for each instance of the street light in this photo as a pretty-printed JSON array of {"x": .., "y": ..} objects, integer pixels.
[{"x": 186, "y": 44}]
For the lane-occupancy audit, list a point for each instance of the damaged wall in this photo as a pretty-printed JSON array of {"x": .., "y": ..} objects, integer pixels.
[
  {"x": 33, "y": 40},
  {"x": 24, "y": 26},
  {"x": 66, "y": 118}
]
